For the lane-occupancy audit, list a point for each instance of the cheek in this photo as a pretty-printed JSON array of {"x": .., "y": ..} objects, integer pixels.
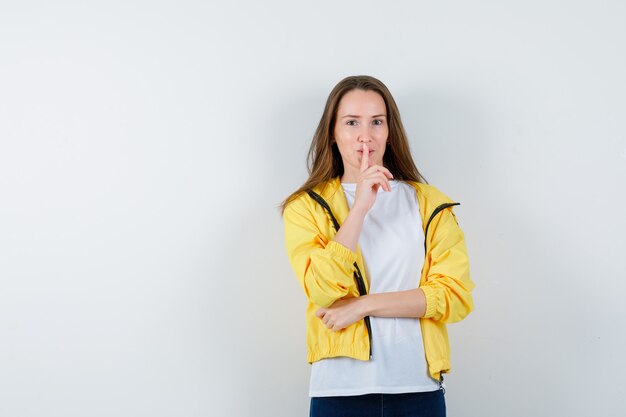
[
  {"x": 384, "y": 133},
  {"x": 341, "y": 144},
  {"x": 344, "y": 150},
  {"x": 344, "y": 138},
  {"x": 342, "y": 132}
]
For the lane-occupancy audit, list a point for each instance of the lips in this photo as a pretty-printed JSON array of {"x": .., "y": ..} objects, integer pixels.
[{"x": 361, "y": 151}]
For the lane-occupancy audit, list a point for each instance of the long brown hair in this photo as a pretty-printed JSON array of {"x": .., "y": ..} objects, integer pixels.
[{"x": 324, "y": 160}]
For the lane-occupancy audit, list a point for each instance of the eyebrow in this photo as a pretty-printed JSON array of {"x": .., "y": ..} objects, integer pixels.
[{"x": 354, "y": 116}]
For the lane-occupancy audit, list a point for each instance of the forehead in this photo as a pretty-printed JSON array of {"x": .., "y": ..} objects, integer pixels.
[{"x": 362, "y": 103}]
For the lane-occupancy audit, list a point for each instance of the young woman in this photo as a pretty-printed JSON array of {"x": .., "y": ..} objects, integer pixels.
[{"x": 382, "y": 261}]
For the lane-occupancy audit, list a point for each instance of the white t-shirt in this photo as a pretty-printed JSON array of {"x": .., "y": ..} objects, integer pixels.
[{"x": 392, "y": 245}]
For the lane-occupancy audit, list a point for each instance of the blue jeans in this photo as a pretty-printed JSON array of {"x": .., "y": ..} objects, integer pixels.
[{"x": 411, "y": 404}]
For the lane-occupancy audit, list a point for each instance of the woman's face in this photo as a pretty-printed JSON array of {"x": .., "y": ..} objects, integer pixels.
[{"x": 361, "y": 118}]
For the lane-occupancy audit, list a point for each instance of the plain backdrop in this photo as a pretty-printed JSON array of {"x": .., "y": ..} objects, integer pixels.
[{"x": 146, "y": 145}]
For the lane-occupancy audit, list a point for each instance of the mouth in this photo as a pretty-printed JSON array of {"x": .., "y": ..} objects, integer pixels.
[{"x": 360, "y": 151}]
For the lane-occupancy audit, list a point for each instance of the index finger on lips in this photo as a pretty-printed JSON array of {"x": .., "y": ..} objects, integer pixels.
[{"x": 365, "y": 158}]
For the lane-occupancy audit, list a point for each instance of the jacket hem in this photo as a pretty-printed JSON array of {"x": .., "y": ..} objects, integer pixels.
[{"x": 360, "y": 353}]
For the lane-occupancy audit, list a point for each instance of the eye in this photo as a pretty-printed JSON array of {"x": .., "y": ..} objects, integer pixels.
[
  {"x": 351, "y": 122},
  {"x": 377, "y": 122}
]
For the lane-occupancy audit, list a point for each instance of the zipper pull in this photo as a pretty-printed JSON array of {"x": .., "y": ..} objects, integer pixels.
[{"x": 441, "y": 383}]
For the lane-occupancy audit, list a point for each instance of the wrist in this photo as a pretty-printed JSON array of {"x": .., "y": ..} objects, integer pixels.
[
  {"x": 359, "y": 211},
  {"x": 364, "y": 305}
]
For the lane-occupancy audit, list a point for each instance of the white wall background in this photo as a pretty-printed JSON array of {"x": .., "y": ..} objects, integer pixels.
[{"x": 144, "y": 147}]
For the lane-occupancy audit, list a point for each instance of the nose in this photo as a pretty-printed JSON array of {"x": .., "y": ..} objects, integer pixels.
[{"x": 365, "y": 135}]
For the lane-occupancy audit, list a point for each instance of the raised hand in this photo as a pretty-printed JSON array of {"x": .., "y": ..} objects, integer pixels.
[{"x": 369, "y": 181}]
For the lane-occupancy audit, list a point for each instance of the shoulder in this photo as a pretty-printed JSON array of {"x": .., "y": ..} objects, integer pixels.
[
  {"x": 304, "y": 202},
  {"x": 300, "y": 203},
  {"x": 430, "y": 194}
]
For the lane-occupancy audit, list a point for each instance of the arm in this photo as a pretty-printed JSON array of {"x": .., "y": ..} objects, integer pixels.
[
  {"x": 324, "y": 268},
  {"x": 448, "y": 286},
  {"x": 409, "y": 303},
  {"x": 348, "y": 234}
]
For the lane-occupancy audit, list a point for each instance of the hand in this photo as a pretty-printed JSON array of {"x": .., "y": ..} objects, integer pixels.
[
  {"x": 369, "y": 180},
  {"x": 341, "y": 314}
]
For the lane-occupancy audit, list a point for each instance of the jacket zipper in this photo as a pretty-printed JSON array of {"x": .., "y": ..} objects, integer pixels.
[{"x": 362, "y": 291}]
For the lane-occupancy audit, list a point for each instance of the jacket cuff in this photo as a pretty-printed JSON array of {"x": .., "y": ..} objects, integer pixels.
[
  {"x": 341, "y": 251},
  {"x": 431, "y": 301}
]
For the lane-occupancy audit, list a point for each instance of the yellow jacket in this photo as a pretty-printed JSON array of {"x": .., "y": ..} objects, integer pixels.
[{"x": 325, "y": 270}]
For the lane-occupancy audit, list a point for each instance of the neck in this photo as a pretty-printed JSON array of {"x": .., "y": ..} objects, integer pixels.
[{"x": 349, "y": 176}]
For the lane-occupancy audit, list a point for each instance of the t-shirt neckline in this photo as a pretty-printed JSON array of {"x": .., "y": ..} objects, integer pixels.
[{"x": 351, "y": 186}]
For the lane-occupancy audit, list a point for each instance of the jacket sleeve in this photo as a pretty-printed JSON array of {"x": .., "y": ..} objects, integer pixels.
[
  {"x": 324, "y": 268},
  {"x": 448, "y": 284}
]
